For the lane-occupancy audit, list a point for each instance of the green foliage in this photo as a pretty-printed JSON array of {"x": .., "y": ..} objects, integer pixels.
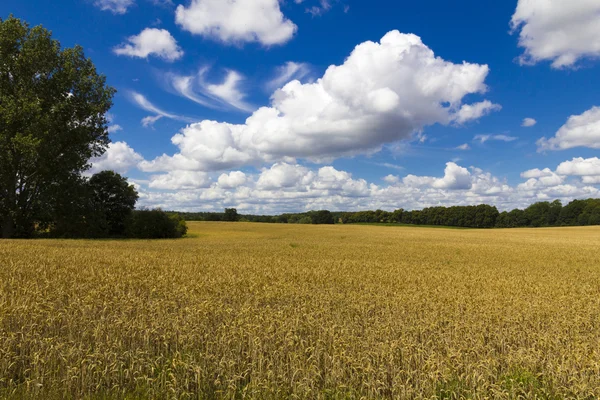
[
  {"x": 52, "y": 121},
  {"x": 114, "y": 199},
  {"x": 155, "y": 224},
  {"x": 322, "y": 217},
  {"x": 94, "y": 208},
  {"x": 231, "y": 215}
]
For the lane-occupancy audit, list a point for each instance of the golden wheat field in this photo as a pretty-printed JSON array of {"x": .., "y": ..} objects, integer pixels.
[{"x": 309, "y": 312}]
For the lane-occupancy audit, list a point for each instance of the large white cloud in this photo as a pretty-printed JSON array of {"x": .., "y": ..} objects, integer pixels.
[
  {"x": 151, "y": 41},
  {"x": 237, "y": 21},
  {"x": 579, "y": 131},
  {"x": 559, "y": 31},
  {"x": 384, "y": 92},
  {"x": 119, "y": 157}
]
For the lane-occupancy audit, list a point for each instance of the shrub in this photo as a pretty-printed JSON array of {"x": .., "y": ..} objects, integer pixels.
[{"x": 155, "y": 224}]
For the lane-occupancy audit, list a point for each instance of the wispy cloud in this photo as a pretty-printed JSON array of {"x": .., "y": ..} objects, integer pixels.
[
  {"x": 287, "y": 73},
  {"x": 226, "y": 94},
  {"x": 142, "y": 102},
  {"x": 502, "y": 138},
  {"x": 389, "y": 165}
]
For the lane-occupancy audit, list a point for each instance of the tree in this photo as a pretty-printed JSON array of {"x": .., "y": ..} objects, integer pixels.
[
  {"x": 114, "y": 199},
  {"x": 53, "y": 107},
  {"x": 321, "y": 217},
  {"x": 231, "y": 215}
]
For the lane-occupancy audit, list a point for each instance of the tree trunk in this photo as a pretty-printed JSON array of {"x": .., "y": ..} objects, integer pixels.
[{"x": 8, "y": 227}]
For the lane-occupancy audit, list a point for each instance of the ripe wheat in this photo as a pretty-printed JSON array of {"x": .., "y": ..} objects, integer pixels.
[{"x": 325, "y": 312}]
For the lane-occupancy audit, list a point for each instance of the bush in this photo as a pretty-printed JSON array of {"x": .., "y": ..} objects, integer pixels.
[{"x": 155, "y": 224}]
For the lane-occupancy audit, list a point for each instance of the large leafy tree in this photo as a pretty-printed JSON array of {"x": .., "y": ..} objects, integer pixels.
[{"x": 52, "y": 121}]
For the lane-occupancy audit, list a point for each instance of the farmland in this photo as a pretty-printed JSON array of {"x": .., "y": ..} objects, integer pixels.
[{"x": 246, "y": 310}]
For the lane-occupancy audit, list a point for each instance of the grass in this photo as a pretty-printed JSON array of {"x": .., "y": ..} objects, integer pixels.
[{"x": 300, "y": 311}]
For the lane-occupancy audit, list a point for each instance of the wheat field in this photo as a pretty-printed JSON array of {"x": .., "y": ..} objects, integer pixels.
[{"x": 245, "y": 310}]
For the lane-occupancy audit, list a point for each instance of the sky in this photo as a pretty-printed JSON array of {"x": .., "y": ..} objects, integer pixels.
[{"x": 286, "y": 106}]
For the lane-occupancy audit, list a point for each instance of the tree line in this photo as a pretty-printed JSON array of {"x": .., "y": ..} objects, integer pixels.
[{"x": 540, "y": 214}]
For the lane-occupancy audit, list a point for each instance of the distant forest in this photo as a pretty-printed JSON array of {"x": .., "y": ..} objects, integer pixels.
[{"x": 541, "y": 214}]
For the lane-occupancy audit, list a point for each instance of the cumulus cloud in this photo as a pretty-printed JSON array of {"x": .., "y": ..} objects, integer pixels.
[
  {"x": 391, "y": 179},
  {"x": 282, "y": 175},
  {"x": 579, "y": 131},
  {"x": 537, "y": 173},
  {"x": 151, "y": 41},
  {"x": 288, "y": 72},
  {"x": 180, "y": 180},
  {"x": 114, "y": 128},
  {"x": 119, "y": 157},
  {"x": 384, "y": 92},
  {"x": 555, "y": 31},
  {"x": 469, "y": 112},
  {"x": 501, "y": 138},
  {"x": 237, "y": 21},
  {"x": 463, "y": 147},
  {"x": 232, "y": 180},
  {"x": 588, "y": 169},
  {"x": 528, "y": 122},
  {"x": 288, "y": 187},
  {"x": 455, "y": 178},
  {"x": 114, "y": 6}
]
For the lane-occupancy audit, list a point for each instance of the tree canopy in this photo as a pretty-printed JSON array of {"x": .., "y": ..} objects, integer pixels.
[{"x": 53, "y": 107}]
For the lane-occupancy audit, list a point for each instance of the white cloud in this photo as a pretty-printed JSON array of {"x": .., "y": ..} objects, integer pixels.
[
  {"x": 557, "y": 31},
  {"x": 212, "y": 95},
  {"x": 501, "y": 138},
  {"x": 119, "y": 157},
  {"x": 151, "y": 41},
  {"x": 537, "y": 173},
  {"x": 469, "y": 112},
  {"x": 528, "y": 122},
  {"x": 391, "y": 179},
  {"x": 142, "y": 102},
  {"x": 455, "y": 178},
  {"x": 282, "y": 175},
  {"x": 288, "y": 72},
  {"x": 229, "y": 92},
  {"x": 463, "y": 147},
  {"x": 237, "y": 21},
  {"x": 232, "y": 180},
  {"x": 384, "y": 92},
  {"x": 291, "y": 188},
  {"x": 389, "y": 165},
  {"x": 579, "y": 131},
  {"x": 318, "y": 10},
  {"x": 587, "y": 168},
  {"x": 180, "y": 180},
  {"x": 114, "y": 6},
  {"x": 114, "y": 128}
]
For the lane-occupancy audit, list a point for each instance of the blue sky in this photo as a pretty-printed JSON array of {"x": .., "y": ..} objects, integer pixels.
[{"x": 428, "y": 110}]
